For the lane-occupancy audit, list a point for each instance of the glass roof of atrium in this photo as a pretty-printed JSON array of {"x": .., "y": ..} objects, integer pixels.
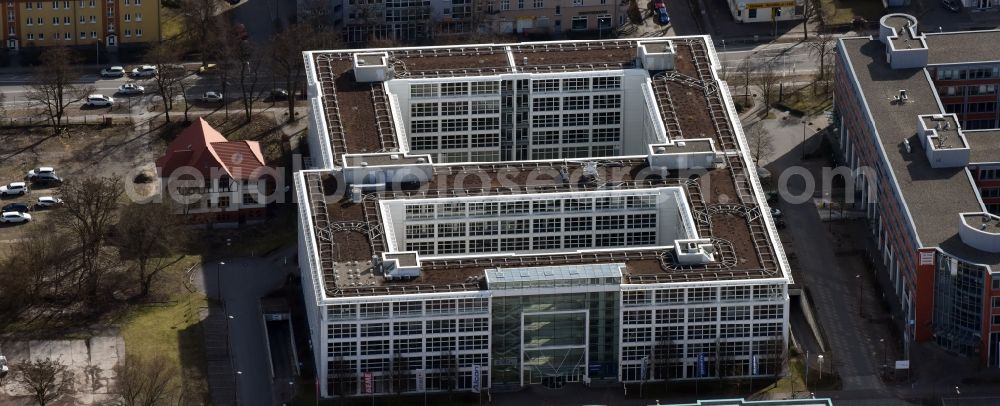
[{"x": 553, "y": 273}]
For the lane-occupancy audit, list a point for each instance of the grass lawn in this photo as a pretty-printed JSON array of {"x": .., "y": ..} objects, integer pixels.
[
  {"x": 171, "y": 24},
  {"x": 843, "y": 11},
  {"x": 172, "y": 329},
  {"x": 806, "y": 100}
]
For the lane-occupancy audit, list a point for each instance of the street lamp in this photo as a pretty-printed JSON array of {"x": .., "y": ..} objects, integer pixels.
[
  {"x": 884, "y": 362},
  {"x": 218, "y": 280},
  {"x": 819, "y": 359},
  {"x": 861, "y": 296}
]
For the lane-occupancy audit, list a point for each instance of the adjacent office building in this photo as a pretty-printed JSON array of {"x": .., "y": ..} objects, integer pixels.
[
  {"x": 368, "y": 20},
  {"x": 917, "y": 124},
  {"x": 109, "y": 23},
  {"x": 487, "y": 217},
  {"x": 759, "y": 11}
]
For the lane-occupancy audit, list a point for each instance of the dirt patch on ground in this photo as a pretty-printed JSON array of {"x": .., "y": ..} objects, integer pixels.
[{"x": 116, "y": 151}]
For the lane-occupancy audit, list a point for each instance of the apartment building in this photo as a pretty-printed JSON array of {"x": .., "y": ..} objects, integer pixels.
[
  {"x": 111, "y": 23},
  {"x": 365, "y": 20},
  {"x": 922, "y": 178},
  {"x": 555, "y": 16},
  {"x": 488, "y": 217}
]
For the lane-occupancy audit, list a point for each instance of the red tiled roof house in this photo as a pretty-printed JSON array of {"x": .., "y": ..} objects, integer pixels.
[{"x": 214, "y": 180}]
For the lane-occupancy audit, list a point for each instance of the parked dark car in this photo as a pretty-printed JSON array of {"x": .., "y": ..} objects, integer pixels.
[
  {"x": 661, "y": 13},
  {"x": 18, "y": 207},
  {"x": 46, "y": 179},
  {"x": 277, "y": 94}
]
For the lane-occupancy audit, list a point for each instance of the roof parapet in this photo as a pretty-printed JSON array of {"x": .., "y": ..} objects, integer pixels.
[
  {"x": 980, "y": 231},
  {"x": 943, "y": 141},
  {"x": 905, "y": 46}
]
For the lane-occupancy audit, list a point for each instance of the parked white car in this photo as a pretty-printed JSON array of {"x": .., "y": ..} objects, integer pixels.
[
  {"x": 48, "y": 202},
  {"x": 211, "y": 97},
  {"x": 15, "y": 217},
  {"x": 144, "y": 71},
  {"x": 131, "y": 88},
  {"x": 99, "y": 100},
  {"x": 14, "y": 189},
  {"x": 113, "y": 72}
]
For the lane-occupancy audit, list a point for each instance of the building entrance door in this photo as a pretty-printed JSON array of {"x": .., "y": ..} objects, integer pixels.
[{"x": 985, "y": 4}]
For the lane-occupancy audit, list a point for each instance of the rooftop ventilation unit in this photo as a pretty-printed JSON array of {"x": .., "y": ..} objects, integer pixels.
[
  {"x": 906, "y": 144},
  {"x": 902, "y": 96}
]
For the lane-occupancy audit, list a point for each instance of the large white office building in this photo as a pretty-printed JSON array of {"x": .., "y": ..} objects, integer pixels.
[{"x": 487, "y": 217}]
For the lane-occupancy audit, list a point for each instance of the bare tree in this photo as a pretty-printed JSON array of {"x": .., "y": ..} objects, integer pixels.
[
  {"x": 761, "y": 143},
  {"x": 746, "y": 68},
  {"x": 767, "y": 78},
  {"x": 88, "y": 217},
  {"x": 184, "y": 86},
  {"x": 146, "y": 382},
  {"x": 33, "y": 270},
  {"x": 3, "y": 107},
  {"x": 821, "y": 47},
  {"x": 199, "y": 17},
  {"x": 224, "y": 45},
  {"x": 247, "y": 66},
  {"x": 165, "y": 56},
  {"x": 285, "y": 56},
  {"x": 148, "y": 235},
  {"x": 46, "y": 379},
  {"x": 53, "y": 84}
]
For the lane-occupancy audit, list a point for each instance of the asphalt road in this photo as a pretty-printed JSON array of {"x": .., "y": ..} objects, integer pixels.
[
  {"x": 15, "y": 87},
  {"x": 243, "y": 282},
  {"x": 791, "y": 57}
]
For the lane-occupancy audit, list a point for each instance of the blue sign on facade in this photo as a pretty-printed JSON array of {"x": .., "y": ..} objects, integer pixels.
[
  {"x": 754, "y": 366},
  {"x": 701, "y": 364}
]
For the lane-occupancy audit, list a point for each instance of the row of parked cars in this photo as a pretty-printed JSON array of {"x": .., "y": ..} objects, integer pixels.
[
  {"x": 17, "y": 212},
  {"x": 144, "y": 71}
]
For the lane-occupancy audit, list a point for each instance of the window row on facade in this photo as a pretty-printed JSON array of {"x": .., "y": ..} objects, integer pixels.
[
  {"x": 676, "y": 350},
  {"x": 434, "y": 143},
  {"x": 403, "y": 346},
  {"x": 575, "y": 152},
  {"x": 455, "y": 108},
  {"x": 603, "y": 118},
  {"x": 519, "y": 244},
  {"x": 680, "y": 315},
  {"x": 531, "y": 226},
  {"x": 581, "y": 102},
  {"x": 351, "y": 331},
  {"x": 708, "y": 294},
  {"x": 710, "y": 331},
  {"x": 577, "y": 136},
  {"x": 479, "y": 88},
  {"x": 601, "y": 83},
  {"x": 427, "y": 211},
  {"x": 455, "y": 125},
  {"x": 415, "y": 308}
]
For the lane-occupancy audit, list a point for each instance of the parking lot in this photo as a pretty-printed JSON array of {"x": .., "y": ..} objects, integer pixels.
[{"x": 80, "y": 151}]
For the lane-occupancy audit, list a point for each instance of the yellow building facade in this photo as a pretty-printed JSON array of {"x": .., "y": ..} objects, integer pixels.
[{"x": 79, "y": 22}]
